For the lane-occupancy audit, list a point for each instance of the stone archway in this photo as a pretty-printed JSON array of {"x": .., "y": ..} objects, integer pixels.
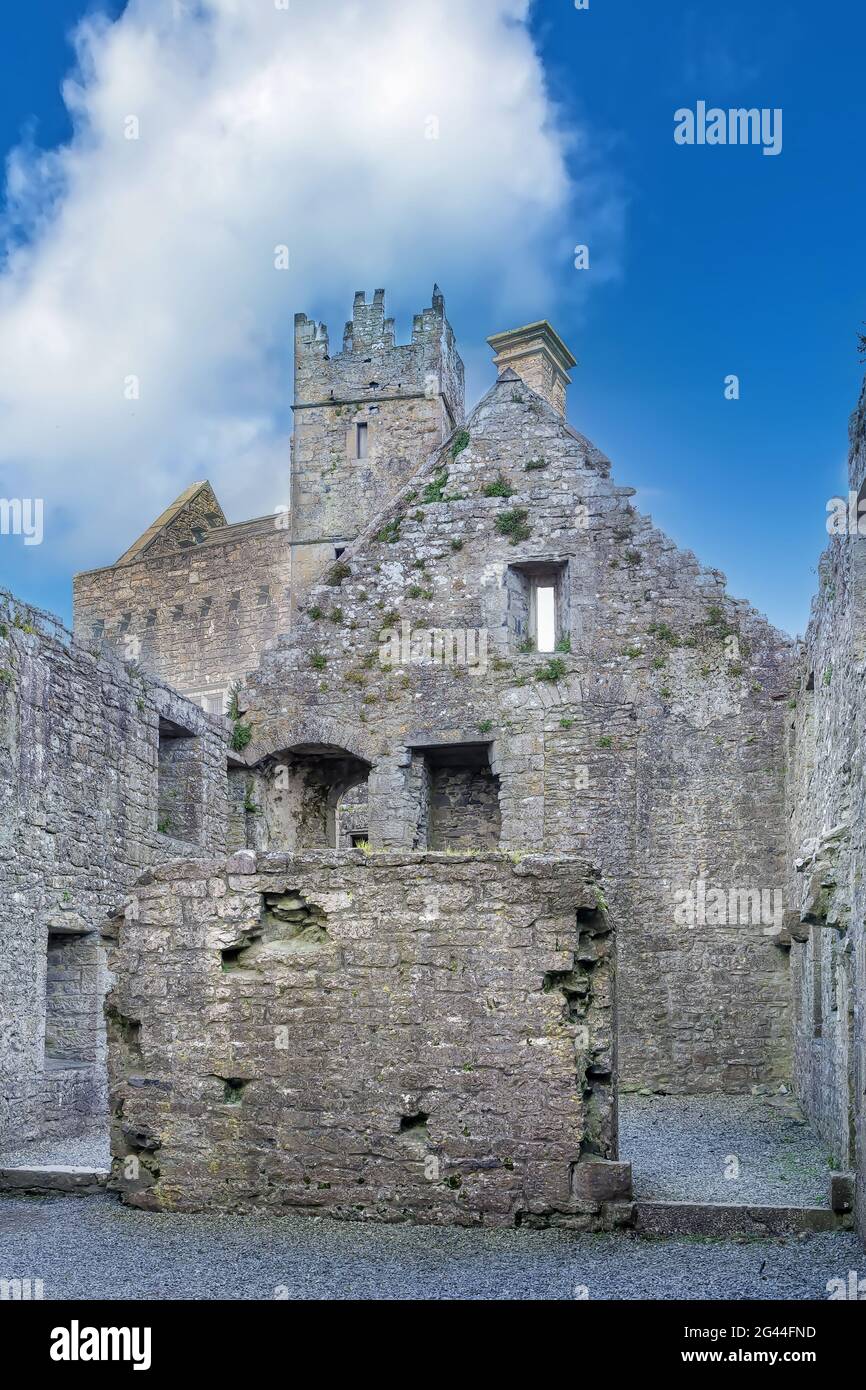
[
  {"x": 300, "y": 792},
  {"x": 288, "y": 734}
]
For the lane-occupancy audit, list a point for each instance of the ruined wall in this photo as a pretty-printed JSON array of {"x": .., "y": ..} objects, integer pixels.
[
  {"x": 383, "y": 1036},
  {"x": 407, "y": 398},
  {"x": 827, "y": 844},
  {"x": 650, "y": 742},
  {"x": 79, "y": 794},
  {"x": 197, "y": 616}
]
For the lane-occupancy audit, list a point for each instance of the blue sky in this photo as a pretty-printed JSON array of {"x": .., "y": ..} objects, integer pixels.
[{"x": 703, "y": 261}]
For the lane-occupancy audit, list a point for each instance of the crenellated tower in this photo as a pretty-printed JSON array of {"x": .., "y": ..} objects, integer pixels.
[{"x": 365, "y": 419}]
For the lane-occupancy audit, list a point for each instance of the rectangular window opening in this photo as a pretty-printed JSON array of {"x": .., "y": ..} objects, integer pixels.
[
  {"x": 458, "y": 795},
  {"x": 72, "y": 1003},
  {"x": 180, "y": 789},
  {"x": 361, "y": 440},
  {"x": 817, "y": 985},
  {"x": 537, "y": 606}
]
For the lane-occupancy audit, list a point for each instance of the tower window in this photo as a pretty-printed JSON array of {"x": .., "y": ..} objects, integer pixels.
[{"x": 361, "y": 440}]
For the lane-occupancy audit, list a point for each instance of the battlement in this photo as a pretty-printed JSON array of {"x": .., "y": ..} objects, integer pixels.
[
  {"x": 368, "y": 328},
  {"x": 371, "y": 360}
]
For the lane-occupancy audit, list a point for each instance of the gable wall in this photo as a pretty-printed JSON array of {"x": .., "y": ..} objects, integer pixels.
[
  {"x": 197, "y": 617},
  {"x": 654, "y": 754}
]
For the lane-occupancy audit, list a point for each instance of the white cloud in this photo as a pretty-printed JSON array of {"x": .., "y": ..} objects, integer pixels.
[{"x": 154, "y": 257}]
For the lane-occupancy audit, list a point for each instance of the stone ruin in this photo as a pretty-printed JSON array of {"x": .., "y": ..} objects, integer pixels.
[{"x": 327, "y": 836}]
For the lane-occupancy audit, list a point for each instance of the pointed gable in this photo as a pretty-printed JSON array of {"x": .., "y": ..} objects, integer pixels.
[{"x": 186, "y": 522}]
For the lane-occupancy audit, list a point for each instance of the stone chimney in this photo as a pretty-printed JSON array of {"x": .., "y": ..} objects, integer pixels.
[{"x": 538, "y": 355}]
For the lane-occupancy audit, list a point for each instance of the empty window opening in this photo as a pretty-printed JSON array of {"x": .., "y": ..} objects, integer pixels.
[
  {"x": 180, "y": 784},
  {"x": 537, "y": 607},
  {"x": 352, "y": 817},
  {"x": 458, "y": 797},
  {"x": 414, "y": 1132},
  {"x": 124, "y": 1040},
  {"x": 361, "y": 441},
  {"x": 835, "y": 962},
  {"x": 72, "y": 1000},
  {"x": 233, "y": 1089}
]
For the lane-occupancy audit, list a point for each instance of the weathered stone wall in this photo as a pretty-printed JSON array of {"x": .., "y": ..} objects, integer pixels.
[
  {"x": 386, "y": 1036},
  {"x": 827, "y": 846},
  {"x": 79, "y": 737},
  {"x": 650, "y": 742},
  {"x": 196, "y": 615}
]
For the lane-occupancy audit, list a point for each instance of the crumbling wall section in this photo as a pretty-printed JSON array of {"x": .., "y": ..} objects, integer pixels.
[{"x": 383, "y": 1036}]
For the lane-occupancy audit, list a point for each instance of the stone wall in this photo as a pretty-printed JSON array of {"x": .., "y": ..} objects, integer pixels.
[
  {"x": 196, "y": 615},
  {"x": 827, "y": 845},
  {"x": 650, "y": 742},
  {"x": 79, "y": 795},
  {"x": 385, "y": 1036}
]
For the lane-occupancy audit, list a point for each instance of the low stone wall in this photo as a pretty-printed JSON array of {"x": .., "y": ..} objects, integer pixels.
[{"x": 400, "y": 1035}]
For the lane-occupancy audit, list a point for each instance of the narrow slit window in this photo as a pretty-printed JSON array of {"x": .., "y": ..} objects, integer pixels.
[
  {"x": 361, "y": 440},
  {"x": 817, "y": 985}
]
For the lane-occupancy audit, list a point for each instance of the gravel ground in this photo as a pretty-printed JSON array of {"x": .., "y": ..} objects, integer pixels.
[
  {"x": 88, "y": 1151},
  {"x": 92, "y": 1247},
  {"x": 679, "y": 1147}
]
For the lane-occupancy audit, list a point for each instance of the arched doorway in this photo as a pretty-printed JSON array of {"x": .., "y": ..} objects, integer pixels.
[{"x": 311, "y": 796}]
